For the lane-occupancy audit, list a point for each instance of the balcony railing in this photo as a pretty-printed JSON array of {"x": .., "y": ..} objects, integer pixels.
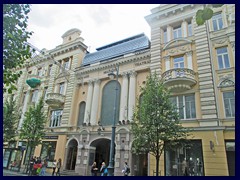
[
  {"x": 55, "y": 99},
  {"x": 179, "y": 79}
]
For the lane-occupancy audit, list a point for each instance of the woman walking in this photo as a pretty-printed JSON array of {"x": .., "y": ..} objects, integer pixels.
[
  {"x": 54, "y": 167},
  {"x": 59, "y": 165}
]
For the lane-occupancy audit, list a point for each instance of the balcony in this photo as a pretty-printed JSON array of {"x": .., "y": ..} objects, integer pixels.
[
  {"x": 55, "y": 99},
  {"x": 179, "y": 79}
]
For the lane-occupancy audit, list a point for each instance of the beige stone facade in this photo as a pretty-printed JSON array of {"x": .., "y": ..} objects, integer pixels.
[{"x": 79, "y": 94}]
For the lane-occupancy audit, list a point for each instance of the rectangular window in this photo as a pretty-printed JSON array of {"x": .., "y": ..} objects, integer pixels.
[
  {"x": 177, "y": 32},
  {"x": 39, "y": 72},
  {"x": 217, "y": 22},
  {"x": 223, "y": 59},
  {"x": 178, "y": 63},
  {"x": 45, "y": 93},
  {"x": 165, "y": 36},
  {"x": 185, "y": 105},
  {"x": 49, "y": 70},
  {"x": 24, "y": 96},
  {"x": 56, "y": 118},
  {"x": 190, "y": 29},
  {"x": 229, "y": 103},
  {"x": 61, "y": 88},
  {"x": 35, "y": 96},
  {"x": 66, "y": 65}
]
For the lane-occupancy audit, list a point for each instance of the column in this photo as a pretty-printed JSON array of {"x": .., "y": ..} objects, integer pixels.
[
  {"x": 26, "y": 100},
  {"x": 124, "y": 98},
  {"x": 189, "y": 60},
  {"x": 169, "y": 33},
  {"x": 184, "y": 28},
  {"x": 233, "y": 48},
  {"x": 89, "y": 102},
  {"x": 132, "y": 93},
  {"x": 95, "y": 102}
]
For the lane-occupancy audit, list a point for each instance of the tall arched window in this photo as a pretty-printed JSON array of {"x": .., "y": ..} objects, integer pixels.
[
  {"x": 107, "y": 112},
  {"x": 81, "y": 112}
]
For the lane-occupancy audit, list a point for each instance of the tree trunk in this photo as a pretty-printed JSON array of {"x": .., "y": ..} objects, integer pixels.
[{"x": 157, "y": 164}]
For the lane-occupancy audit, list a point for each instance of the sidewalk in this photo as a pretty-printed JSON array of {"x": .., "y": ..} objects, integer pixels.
[{"x": 7, "y": 172}]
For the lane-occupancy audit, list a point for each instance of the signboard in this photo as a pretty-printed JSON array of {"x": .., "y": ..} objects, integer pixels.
[{"x": 50, "y": 137}]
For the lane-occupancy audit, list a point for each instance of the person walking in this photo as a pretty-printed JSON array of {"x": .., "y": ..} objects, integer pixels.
[
  {"x": 94, "y": 169},
  {"x": 43, "y": 169},
  {"x": 126, "y": 169},
  {"x": 59, "y": 165},
  {"x": 103, "y": 169},
  {"x": 54, "y": 167}
]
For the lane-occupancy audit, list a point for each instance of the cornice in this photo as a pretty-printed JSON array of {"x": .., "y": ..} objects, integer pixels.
[{"x": 81, "y": 71}]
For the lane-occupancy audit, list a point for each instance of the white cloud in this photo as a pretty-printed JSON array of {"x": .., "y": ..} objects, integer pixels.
[{"x": 100, "y": 24}]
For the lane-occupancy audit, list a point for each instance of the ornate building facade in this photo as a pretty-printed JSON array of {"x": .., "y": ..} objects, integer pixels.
[{"x": 197, "y": 64}]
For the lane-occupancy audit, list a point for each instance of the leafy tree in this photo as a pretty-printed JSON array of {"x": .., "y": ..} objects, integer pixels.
[
  {"x": 10, "y": 119},
  {"x": 205, "y": 14},
  {"x": 156, "y": 121},
  {"x": 15, "y": 49},
  {"x": 32, "y": 129}
]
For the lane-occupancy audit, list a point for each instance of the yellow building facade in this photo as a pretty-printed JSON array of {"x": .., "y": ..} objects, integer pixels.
[{"x": 197, "y": 64}]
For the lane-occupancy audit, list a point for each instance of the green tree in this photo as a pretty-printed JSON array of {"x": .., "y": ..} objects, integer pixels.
[
  {"x": 205, "y": 14},
  {"x": 32, "y": 129},
  {"x": 156, "y": 121},
  {"x": 10, "y": 119},
  {"x": 15, "y": 49}
]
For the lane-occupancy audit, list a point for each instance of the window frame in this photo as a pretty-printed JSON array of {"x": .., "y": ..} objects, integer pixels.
[
  {"x": 182, "y": 110},
  {"x": 178, "y": 31},
  {"x": 222, "y": 55},
  {"x": 56, "y": 122},
  {"x": 215, "y": 19},
  {"x": 231, "y": 109}
]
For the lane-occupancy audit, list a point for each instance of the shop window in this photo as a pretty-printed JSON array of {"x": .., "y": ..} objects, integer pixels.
[
  {"x": 185, "y": 161},
  {"x": 48, "y": 151}
]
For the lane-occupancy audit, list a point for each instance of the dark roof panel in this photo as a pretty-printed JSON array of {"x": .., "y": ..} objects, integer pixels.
[{"x": 120, "y": 48}]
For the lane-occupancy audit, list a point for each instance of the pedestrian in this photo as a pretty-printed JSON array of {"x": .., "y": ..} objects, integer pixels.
[
  {"x": 184, "y": 167},
  {"x": 103, "y": 169},
  {"x": 126, "y": 169},
  {"x": 43, "y": 169},
  {"x": 59, "y": 165},
  {"x": 94, "y": 169},
  {"x": 54, "y": 167}
]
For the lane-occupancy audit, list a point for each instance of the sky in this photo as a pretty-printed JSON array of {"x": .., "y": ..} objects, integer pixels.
[{"x": 101, "y": 24}]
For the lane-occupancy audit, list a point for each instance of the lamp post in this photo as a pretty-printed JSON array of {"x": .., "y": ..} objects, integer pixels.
[{"x": 111, "y": 158}]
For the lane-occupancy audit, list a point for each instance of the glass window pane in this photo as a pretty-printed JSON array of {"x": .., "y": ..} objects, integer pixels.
[
  {"x": 220, "y": 23},
  {"x": 220, "y": 62},
  {"x": 226, "y": 61}
]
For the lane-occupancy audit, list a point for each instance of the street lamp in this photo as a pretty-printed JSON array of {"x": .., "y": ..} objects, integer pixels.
[{"x": 111, "y": 158}]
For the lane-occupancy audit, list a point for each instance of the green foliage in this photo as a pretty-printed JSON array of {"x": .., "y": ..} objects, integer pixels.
[
  {"x": 10, "y": 119},
  {"x": 156, "y": 120},
  {"x": 33, "y": 125},
  {"x": 15, "y": 49},
  {"x": 203, "y": 15}
]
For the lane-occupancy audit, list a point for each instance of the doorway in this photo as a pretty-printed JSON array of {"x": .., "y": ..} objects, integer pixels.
[
  {"x": 102, "y": 152},
  {"x": 72, "y": 155},
  {"x": 139, "y": 165}
]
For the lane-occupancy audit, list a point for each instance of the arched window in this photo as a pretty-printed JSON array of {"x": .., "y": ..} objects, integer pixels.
[
  {"x": 107, "y": 112},
  {"x": 81, "y": 112}
]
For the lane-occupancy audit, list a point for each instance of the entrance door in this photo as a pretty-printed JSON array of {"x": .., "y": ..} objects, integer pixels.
[
  {"x": 102, "y": 151},
  {"x": 230, "y": 150},
  {"x": 72, "y": 155}
]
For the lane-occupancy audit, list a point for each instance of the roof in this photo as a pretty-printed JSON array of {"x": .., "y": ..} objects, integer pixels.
[{"x": 117, "y": 49}]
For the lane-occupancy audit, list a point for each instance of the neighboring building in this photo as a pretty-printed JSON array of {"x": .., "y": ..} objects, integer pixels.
[{"x": 197, "y": 64}]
